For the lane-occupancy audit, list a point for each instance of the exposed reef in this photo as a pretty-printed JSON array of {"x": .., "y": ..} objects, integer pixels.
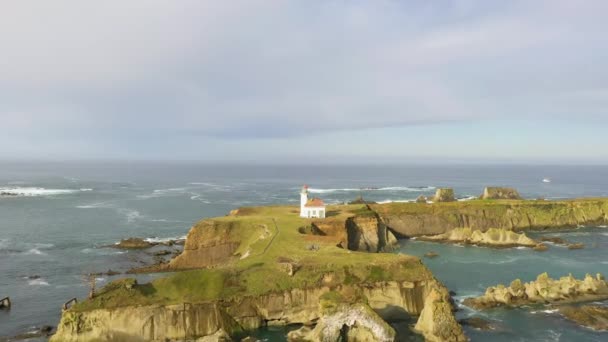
[
  {"x": 542, "y": 291},
  {"x": 589, "y": 316},
  {"x": 493, "y": 237}
]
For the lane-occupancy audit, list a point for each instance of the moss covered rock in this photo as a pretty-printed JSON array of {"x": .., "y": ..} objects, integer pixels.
[{"x": 497, "y": 193}]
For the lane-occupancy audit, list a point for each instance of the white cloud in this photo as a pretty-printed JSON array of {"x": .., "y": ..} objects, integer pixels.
[{"x": 278, "y": 68}]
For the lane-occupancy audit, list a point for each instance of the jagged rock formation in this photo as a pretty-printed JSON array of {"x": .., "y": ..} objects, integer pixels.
[
  {"x": 421, "y": 199},
  {"x": 413, "y": 219},
  {"x": 493, "y": 237},
  {"x": 543, "y": 290},
  {"x": 369, "y": 234},
  {"x": 497, "y": 193},
  {"x": 436, "y": 321},
  {"x": 346, "y": 322},
  {"x": 589, "y": 316},
  {"x": 444, "y": 195},
  {"x": 133, "y": 243}
]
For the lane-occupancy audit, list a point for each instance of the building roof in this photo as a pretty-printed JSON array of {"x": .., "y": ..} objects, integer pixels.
[{"x": 315, "y": 202}]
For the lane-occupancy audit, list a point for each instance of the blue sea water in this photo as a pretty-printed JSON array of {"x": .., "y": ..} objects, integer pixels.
[{"x": 65, "y": 213}]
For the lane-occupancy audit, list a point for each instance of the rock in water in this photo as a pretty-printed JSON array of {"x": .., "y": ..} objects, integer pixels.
[
  {"x": 493, "y": 237},
  {"x": 346, "y": 322},
  {"x": 577, "y": 245},
  {"x": 541, "y": 247},
  {"x": 543, "y": 290},
  {"x": 431, "y": 254},
  {"x": 444, "y": 195},
  {"x": 436, "y": 321},
  {"x": 421, "y": 199},
  {"x": 134, "y": 243},
  {"x": 590, "y": 316},
  {"x": 477, "y": 323},
  {"x": 500, "y": 193}
]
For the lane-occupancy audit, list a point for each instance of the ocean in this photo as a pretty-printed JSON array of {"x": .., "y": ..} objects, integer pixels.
[{"x": 61, "y": 217}]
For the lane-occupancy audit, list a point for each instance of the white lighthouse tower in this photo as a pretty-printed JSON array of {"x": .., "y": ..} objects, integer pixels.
[
  {"x": 313, "y": 208},
  {"x": 303, "y": 199}
]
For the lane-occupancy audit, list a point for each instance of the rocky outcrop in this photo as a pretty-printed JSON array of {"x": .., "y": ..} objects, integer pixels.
[
  {"x": 444, "y": 195},
  {"x": 589, "y": 316},
  {"x": 391, "y": 300},
  {"x": 414, "y": 219},
  {"x": 543, "y": 290},
  {"x": 493, "y": 237},
  {"x": 133, "y": 243},
  {"x": 436, "y": 321},
  {"x": 215, "y": 241},
  {"x": 346, "y": 322},
  {"x": 497, "y": 193},
  {"x": 146, "y": 323},
  {"x": 368, "y": 234}
]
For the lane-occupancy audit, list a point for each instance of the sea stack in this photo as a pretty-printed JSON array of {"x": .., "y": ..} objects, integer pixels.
[
  {"x": 444, "y": 195},
  {"x": 496, "y": 193}
]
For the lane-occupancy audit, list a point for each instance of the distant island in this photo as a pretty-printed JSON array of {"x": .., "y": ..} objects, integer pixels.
[{"x": 265, "y": 266}]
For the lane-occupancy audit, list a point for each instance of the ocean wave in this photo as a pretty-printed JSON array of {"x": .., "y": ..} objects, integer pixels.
[
  {"x": 34, "y": 251},
  {"x": 388, "y": 188},
  {"x": 163, "y": 240},
  {"x": 93, "y": 205},
  {"x": 38, "y": 282},
  {"x": 396, "y": 201},
  {"x": 467, "y": 198},
  {"x": 548, "y": 312},
  {"x": 33, "y": 191}
]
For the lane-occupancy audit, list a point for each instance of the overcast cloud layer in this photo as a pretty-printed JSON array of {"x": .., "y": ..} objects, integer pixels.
[{"x": 205, "y": 79}]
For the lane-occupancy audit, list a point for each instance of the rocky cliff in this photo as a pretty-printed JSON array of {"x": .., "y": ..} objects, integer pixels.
[
  {"x": 416, "y": 219},
  {"x": 230, "y": 317}
]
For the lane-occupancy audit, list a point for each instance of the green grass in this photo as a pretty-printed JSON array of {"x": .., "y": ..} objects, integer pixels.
[{"x": 261, "y": 273}]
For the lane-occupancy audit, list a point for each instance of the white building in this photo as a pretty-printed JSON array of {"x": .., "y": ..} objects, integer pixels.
[{"x": 311, "y": 208}]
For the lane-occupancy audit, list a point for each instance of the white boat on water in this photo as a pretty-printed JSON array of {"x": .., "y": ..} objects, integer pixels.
[{"x": 546, "y": 180}]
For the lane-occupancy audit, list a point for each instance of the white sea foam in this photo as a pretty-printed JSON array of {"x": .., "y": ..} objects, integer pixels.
[
  {"x": 93, "y": 205},
  {"x": 468, "y": 198},
  {"x": 38, "y": 282},
  {"x": 34, "y": 251},
  {"x": 161, "y": 240},
  {"x": 388, "y": 188},
  {"x": 33, "y": 191},
  {"x": 396, "y": 201}
]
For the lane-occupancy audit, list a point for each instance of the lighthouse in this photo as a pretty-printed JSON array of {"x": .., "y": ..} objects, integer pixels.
[{"x": 313, "y": 208}]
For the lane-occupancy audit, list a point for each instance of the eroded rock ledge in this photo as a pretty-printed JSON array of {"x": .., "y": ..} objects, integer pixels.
[
  {"x": 493, "y": 237},
  {"x": 543, "y": 290}
]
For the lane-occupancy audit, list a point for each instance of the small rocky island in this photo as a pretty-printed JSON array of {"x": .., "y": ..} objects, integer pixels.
[
  {"x": 263, "y": 266},
  {"x": 544, "y": 290}
]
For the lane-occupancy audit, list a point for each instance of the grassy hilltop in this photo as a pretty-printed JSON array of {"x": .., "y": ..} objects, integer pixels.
[{"x": 267, "y": 243}]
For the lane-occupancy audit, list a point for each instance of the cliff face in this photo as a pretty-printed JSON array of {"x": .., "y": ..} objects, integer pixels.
[
  {"x": 215, "y": 241},
  {"x": 368, "y": 234},
  {"x": 436, "y": 322},
  {"x": 416, "y": 219},
  {"x": 191, "y": 321}
]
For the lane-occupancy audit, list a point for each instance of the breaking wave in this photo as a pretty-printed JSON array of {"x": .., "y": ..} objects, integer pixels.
[
  {"x": 33, "y": 191},
  {"x": 388, "y": 188},
  {"x": 163, "y": 240},
  {"x": 38, "y": 282}
]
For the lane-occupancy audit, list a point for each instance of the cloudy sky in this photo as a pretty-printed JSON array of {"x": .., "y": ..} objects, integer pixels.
[{"x": 304, "y": 81}]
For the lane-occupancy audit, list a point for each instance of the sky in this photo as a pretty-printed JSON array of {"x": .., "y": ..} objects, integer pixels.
[{"x": 305, "y": 81}]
